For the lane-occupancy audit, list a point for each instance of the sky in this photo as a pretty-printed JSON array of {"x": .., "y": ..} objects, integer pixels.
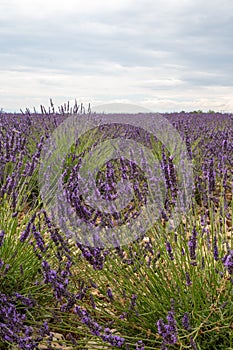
[{"x": 161, "y": 55}]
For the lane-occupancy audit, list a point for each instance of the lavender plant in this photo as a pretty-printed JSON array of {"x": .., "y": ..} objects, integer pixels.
[{"x": 164, "y": 290}]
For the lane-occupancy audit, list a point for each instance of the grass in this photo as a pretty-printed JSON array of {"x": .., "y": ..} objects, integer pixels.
[{"x": 134, "y": 286}]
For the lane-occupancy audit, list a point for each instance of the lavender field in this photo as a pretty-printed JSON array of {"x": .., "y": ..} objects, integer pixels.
[{"x": 175, "y": 292}]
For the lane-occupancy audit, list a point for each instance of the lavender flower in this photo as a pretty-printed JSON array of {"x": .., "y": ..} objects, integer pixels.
[
  {"x": 169, "y": 250},
  {"x": 192, "y": 243},
  {"x": 211, "y": 176},
  {"x": 58, "y": 282},
  {"x": 228, "y": 262},
  {"x": 168, "y": 331},
  {"x": 193, "y": 344},
  {"x": 1, "y": 263},
  {"x": 140, "y": 345},
  {"x": 13, "y": 326},
  {"x": 185, "y": 321},
  {"x": 2, "y": 234},
  {"x": 7, "y": 268},
  {"x": 95, "y": 256},
  {"x": 188, "y": 280},
  {"x": 215, "y": 246},
  {"x": 26, "y": 232},
  {"x": 39, "y": 240},
  {"x": 114, "y": 340},
  {"x": 97, "y": 330},
  {"x": 133, "y": 301},
  {"x": 110, "y": 295}
]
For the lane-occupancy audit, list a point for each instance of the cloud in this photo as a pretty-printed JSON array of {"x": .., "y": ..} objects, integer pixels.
[{"x": 162, "y": 54}]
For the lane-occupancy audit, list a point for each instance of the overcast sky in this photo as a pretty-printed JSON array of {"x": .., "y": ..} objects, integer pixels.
[{"x": 165, "y": 55}]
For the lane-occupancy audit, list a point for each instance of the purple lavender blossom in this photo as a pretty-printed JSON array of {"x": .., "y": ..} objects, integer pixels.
[
  {"x": 215, "y": 247},
  {"x": 39, "y": 240},
  {"x": 188, "y": 279},
  {"x": 140, "y": 345},
  {"x": 228, "y": 262},
  {"x": 2, "y": 234},
  {"x": 95, "y": 256},
  {"x": 106, "y": 335},
  {"x": 193, "y": 344},
  {"x": 169, "y": 250},
  {"x": 211, "y": 176},
  {"x": 168, "y": 331},
  {"x": 192, "y": 244},
  {"x": 13, "y": 326},
  {"x": 110, "y": 295},
  {"x": 133, "y": 301},
  {"x": 185, "y": 322},
  {"x": 58, "y": 282},
  {"x": 25, "y": 234}
]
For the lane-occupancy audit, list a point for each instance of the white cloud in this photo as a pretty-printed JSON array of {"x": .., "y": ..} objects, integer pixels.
[{"x": 164, "y": 55}]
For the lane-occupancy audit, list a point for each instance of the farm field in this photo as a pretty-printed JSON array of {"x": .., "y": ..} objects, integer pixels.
[{"x": 167, "y": 289}]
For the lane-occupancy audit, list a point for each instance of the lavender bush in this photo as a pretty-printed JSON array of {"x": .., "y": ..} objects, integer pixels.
[{"x": 174, "y": 292}]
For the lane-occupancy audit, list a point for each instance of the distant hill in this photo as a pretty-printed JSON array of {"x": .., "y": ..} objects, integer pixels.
[{"x": 119, "y": 108}]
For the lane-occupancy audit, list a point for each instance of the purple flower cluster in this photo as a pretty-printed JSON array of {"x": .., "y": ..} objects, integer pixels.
[
  {"x": 228, "y": 262},
  {"x": 106, "y": 181},
  {"x": 2, "y": 234},
  {"x": 188, "y": 279},
  {"x": 185, "y": 322},
  {"x": 169, "y": 250},
  {"x": 21, "y": 142},
  {"x": 94, "y": 255},
  {"x": 13, "y": 326},
  {"x": 58, "y": 281},
  {"x": 215, "y": 247},
  {"x": 211, "y": 176},
  {"x": 192, "y": 244},
  {"x": 110, "y": 295},
  {"x": 193, "y": 344},
  {"x": 105, "y": 334},
  {"x": 25, "y": 234},
  {"x": 140, "y": 345},
  {"x": 169, "y": 331}
]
